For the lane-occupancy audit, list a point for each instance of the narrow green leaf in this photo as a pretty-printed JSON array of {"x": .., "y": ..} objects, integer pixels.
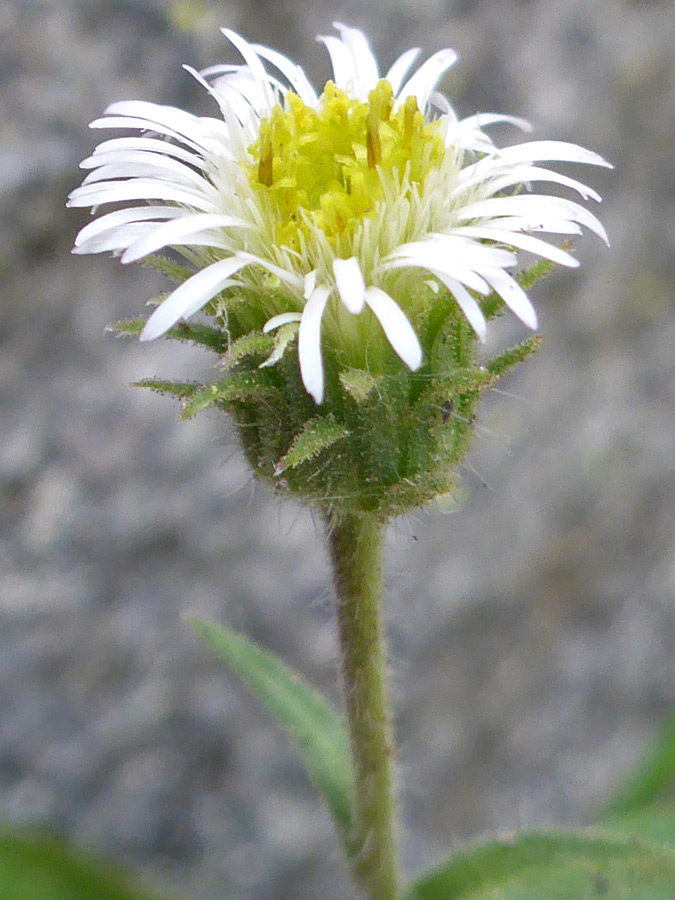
[
  {"x": 315, "y": 730},
  {"x": 466, "y": 380},
  {"x": 240, "y": 386},
  {"x": 652, "y": 779},
  {"x": 180, "y": 389},
  {"x": 252, "y": 344},
  {"x": 502, "y": 362},
  {"x": 317, "y": 434},
  {"x": 169, "y": 267},
  {"x": 553, "y": 866},
  {"x": 203, "y": 335},
  {"x": 37, "y": 867},
  {"x": 542, "y": 268},
  {"x": 132, "y": 327}
]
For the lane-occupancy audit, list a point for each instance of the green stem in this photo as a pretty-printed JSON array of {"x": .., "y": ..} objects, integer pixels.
[{"x": 355, "y": 544}]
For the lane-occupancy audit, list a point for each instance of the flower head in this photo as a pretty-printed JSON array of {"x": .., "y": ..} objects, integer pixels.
[{"x": 339, "y": 214}]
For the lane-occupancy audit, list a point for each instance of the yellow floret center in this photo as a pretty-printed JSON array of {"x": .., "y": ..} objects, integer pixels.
[{"x": 329, "y": 168}]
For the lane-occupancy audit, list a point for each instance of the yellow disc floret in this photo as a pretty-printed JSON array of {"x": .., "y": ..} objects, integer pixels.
[{"x": 327, "y": 168}]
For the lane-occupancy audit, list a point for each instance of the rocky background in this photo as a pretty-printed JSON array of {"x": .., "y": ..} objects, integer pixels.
[{"x": 532, "y": 631}]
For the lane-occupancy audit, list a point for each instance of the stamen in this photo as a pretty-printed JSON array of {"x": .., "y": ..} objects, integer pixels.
[
  {"x": 373, "y": 145},
  {"x": 409, "y": 113},
  {"x": 266, "y": 162}
]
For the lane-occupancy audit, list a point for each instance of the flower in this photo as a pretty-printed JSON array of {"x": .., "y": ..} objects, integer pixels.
[{"x": 370, "y": 196}]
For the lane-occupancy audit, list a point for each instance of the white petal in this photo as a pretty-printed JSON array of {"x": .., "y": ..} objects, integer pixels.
[
  {"x": 199, "y": 78},
  {"x": 288, "y": 277},
  {"x": 281, "y": 319},
  {"x": 396, "y": 327},
  {"x": 253, "y": 62},
  {"x": 293, "y": 73},
  {"x": 115, "y": 239},
  {"x": 341, "y": 60},
  {"x": 483, "y": 120},
  {"x": 467, "y": 304},
  {"x": 441, "y": 103},
  {"x": 366, "y": 72},
  {"x": 202, "y": 134},
  {"x": 522, "y": 241},
  {"x": 520, "y": 223},
  {"x": 459, "y": 258},
  {"x": 153, "y": 145},
  {"x": 137, "y": 189},
  {"x": 434, "y": 262},
  {"x": 142, "y": 125},
  {"x": 309, "y": 343},
  {"x": 513, "y": 295},
  {"x": 425, "y": 78},
  {"x": 538, "y": 208},
  {"x": 240, "y": 93},
  {"x": 123, "y": 217},
  {"x": 242, "y": 80},
  {"x": 399, "y": 70},
  {"x": 519, "y": 174},
  {"x": 349, "y": 283},
  {"x": 549, "y": 151},
  {"x": 155, "y": 117},
  {"x": 309, "y": 284},
  {"x": 190, "y": 296},
  {"x": 139, "y": 164},
  {"x": 181, "y": 233},
  {"x": 469, "y": 252}
]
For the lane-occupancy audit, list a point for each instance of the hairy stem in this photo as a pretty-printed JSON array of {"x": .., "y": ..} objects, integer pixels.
[{"x": 355, "y": 543}]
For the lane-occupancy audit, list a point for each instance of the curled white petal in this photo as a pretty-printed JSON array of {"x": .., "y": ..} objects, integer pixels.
[
  {"x": 183, "y": 231},
  {"x": 467, "y": 304},
  {"x": 190, "y": 296},
  {"x": 523, "y": 241},
  {"x": 154, "y": 145},
  {"x": 366, "y": 72},
  {"x": 513, "y": 295},
  {"x": 482, "y": 120},
  {"x": 309, "y": 343},
  {"x": 400, "y": 68},
  {"x": 396, "y": 327},
  {"x": 538, "y": 209},
  {"x": 349, "y": 283},
  {"x": 422, "y": 83},
  {"x": 115, "y": 239},
  {"x": 253, "y": 62},
  {"x": 309, "y": 284},
  {"x": 281, "y": 319},
  {"x": 138, "y": 189},
  {"x": 514, "y": 175},
  {"x": 288, "y": 277},
  {"x": 550, "y": 151},
  {"x": 293, "y": 73},
  {"x": 139, "y": 164},
  {"x": 341, "y": 60},
  {"x": 456, "y": 257},
  {"x": 121, "y": 217}
]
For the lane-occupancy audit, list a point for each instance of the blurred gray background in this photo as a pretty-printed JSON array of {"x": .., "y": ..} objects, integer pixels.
[{"x": 532, "y": 630}]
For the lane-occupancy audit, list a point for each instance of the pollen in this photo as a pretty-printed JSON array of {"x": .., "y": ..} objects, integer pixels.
[{"x": 328, "y": 168}]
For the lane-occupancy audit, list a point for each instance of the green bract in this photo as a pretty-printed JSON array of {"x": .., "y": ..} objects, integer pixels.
[{"x": 384, "y": 441}]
